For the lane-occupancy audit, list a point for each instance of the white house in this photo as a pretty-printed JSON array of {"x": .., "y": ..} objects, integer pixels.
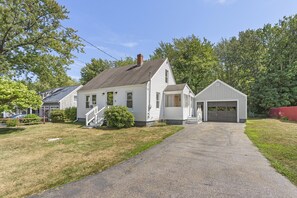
[
  {"x": 58, "y": 98},
  {"x": 148, "y": 89}
]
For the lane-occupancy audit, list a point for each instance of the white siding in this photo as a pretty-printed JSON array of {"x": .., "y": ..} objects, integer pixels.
[
  {"x": 120, "y": 99},
  {"x": 68, "y": 101},
  {"x": 187, "y": 111},
  {"x": 218, "y": 91},
  {"x": 158, "y": 84}
]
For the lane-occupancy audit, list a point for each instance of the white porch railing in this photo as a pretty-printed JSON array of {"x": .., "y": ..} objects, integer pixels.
[{"x": 95, "y": 116}]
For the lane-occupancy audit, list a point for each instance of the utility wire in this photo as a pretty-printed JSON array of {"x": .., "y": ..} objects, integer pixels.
[
  {"x": 83, "y": 62},
  {"x": 101, "y": 50}
]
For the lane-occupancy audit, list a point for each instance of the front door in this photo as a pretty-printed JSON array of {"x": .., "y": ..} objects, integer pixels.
[{"x": 109, "y": 98}]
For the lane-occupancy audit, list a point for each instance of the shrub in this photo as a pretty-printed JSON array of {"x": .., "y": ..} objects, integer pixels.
[
  {"x": 31, "y": 119},
  {"x": 119, "y": 117},
  {"x": 284, "y": 118},
  {"x": 57, "y": 116},
  {"x": 12, "y": 122},
  {"x": 70, "y": 113}
]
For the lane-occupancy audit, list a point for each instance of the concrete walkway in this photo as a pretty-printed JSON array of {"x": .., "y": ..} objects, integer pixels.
[{"x": 205, "y": 160}]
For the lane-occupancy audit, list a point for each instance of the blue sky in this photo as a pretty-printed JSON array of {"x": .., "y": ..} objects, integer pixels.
[{"x": 126, "y": 28}]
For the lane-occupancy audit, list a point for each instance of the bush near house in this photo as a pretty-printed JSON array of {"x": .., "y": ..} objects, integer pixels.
[
  {"x": 119, "y": 117},
  {"x": 57, "y": 116},
  {"x": 31, "y": 119},
  {"x": 12, "y": 122},
  {"x": 70, "y": 113}
]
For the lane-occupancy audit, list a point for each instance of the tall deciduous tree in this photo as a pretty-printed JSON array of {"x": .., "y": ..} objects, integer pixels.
[
  {"x": 278, "y": 85},
  {"x": 193, "y": 60},
  {"x": 90, "y": 70},
  {"x": 32, "y": 42},
  {"x": 15, "y": 94}
]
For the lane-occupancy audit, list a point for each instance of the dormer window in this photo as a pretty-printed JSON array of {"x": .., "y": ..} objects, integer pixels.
[{"x": 166, "y": 76}]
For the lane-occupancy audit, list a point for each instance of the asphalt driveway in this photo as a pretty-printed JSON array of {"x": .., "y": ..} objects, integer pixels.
[{"x": 205, "y": 160}]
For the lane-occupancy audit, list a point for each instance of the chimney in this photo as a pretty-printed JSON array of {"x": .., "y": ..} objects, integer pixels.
[{"x": 139, "y": 59}]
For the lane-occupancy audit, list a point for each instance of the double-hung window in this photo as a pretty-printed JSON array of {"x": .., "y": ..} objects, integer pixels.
[
  {"x": 166, "y": 75},
  {"x": 157, "y": 100},
  {"x": 173, "y": 100},
  {"x": 94, "y": 100},
  {"x": 87, "y": 101},
  {"x": 129, "y": 99}
]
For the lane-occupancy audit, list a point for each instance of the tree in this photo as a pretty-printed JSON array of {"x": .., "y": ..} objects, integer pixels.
[
  {"x": 92, "y": 69},
  {"x": 97, "y": 66},
  {"x": 193, "y": 61},
  {"x": 278, "y": 84},
  {"x": 15, "y": 94},
  {"x": 33, "y": 44},
  {"x": 124, "y": 62}
]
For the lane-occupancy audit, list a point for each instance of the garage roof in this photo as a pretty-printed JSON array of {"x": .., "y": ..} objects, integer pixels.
[{"x": 223, "y": 83}]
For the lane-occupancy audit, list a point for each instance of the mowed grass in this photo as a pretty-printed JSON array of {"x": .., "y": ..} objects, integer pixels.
[
  {"x": 277, "y": 141},
  {"x": 29, "y": 163}
]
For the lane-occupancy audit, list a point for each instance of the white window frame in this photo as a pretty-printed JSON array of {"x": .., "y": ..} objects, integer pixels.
[
  {"x": 158, "y": 95},
  {"x": 127, "y": 99},
  {"x": 93, "y": 100},
  {"x": 173, "y": 104},
  {"x": 166, "y": 76},
  {"x": 87, "y": 101}
]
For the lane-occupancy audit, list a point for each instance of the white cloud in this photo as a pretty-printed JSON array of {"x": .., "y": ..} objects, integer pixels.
[
  {"x": 129, "y": 44},
  {"x": 221, "y": 2}
]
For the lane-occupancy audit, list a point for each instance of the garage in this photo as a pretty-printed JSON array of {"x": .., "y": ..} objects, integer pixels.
[
  {"x": 222, "y": 111},
  {"x": 219, "y": 102}
]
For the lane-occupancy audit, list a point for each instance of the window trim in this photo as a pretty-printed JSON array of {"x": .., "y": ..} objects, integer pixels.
[
  {"x": 158, "y": 94},
  {"x": 87, "y": 101},
  {"x": 112, "y": 98},
  {"x": 93, "y": 100},
  {"x": 127, "y": 92},
  {"x": 173, "y": 101},
  {"x": 166, "y": 76}
]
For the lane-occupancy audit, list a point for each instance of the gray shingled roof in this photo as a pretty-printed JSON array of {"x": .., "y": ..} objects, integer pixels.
[
  {"x": 177, "y": 87},
  {"x": 58, "y": 94},
  {"x": 127, "y": 75}
]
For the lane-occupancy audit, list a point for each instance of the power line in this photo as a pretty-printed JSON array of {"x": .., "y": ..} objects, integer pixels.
[
  {"x": 83, "y": 62},
  {"x": 101, "y": 50}
]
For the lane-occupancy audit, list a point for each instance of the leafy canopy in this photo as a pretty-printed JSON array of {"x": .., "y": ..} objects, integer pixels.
[
  {"x": 90, "y": 70},
  {"x": 15, "y": 94},
  {"x": 33, "y": 45},
  {"x": 193, "y": 61}
]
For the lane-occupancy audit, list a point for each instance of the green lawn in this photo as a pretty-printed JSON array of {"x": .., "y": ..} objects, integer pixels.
[
  {"x": 29, "y": 163},
  {"x": 277, "y": 140}
]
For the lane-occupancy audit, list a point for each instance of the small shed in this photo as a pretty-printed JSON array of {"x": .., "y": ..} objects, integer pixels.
[{"x": 219, "y": 102}]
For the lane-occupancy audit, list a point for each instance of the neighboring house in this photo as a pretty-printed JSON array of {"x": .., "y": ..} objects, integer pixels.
[
  {"x": 219, "y": 102},
  {"x": 148, "y": 89},
  {"x": 58, "y": 98}
]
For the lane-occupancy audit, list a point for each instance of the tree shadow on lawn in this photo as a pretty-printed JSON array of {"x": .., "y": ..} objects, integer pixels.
[{"x": 8, "y": 130}]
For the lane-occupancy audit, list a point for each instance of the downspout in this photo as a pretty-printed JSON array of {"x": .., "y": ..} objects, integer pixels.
[{"x": 150, "y": 90}]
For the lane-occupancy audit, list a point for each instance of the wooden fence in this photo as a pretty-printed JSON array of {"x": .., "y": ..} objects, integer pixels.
[{"x": 281, "y": 112}]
